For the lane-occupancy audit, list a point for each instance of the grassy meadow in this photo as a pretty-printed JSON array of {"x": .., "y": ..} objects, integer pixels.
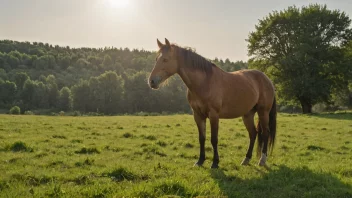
[{"x": 153, "y": 156}]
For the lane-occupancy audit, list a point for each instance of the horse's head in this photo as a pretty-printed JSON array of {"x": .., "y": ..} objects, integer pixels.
[{"x": 165, "y": 66}]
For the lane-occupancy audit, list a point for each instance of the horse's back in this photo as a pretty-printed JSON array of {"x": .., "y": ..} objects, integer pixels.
[
  {"x": 258, "y": 78},
  {"x": 243, "y": 90},
  {"x": 262, "y": 84}
]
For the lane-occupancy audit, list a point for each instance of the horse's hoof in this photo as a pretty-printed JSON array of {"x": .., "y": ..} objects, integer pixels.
[
  {"x": 262, "y": 160},
  {"x": 214, "y": 166},
  {"x": 245, "y": 161},
  {"x": 199, "y": 163},
  {"x": 261, "y": 163}
]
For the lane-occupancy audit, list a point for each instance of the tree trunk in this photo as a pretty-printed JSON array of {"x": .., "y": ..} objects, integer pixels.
[{"x": 306, "y": 106}]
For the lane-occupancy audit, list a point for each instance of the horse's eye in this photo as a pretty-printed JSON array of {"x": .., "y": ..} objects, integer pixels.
[{"x": 164, "y": 60}]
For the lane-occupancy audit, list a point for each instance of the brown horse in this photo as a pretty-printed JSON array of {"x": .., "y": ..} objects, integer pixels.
[{"x": 213, "y": 93}]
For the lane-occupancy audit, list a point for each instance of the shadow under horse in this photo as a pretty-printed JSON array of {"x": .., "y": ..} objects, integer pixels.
[
  {"x": 215, "y": 94},
  {"x": 282, "y": 181}
]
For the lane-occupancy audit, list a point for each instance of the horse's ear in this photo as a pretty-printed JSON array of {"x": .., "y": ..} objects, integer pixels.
[
  {"x": 159, "y": 43},
  {"x": 167, "y": 42}
]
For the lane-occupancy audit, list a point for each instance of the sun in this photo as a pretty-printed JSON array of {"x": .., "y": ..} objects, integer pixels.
[
  {"x": 119, "y": 11},
  {"x": 118, "y": 3}
]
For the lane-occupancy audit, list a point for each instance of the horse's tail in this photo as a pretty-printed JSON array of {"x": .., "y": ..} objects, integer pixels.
[
  {"x": 272, "y": 125},
  {"x": 272, "y": 130}
]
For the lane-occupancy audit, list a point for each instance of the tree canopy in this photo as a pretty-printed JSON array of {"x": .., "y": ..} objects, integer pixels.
[{"x": 304, "y": 51}]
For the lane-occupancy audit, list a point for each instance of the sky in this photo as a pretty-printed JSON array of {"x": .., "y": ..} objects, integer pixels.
[{"x": 215, "y": 28}]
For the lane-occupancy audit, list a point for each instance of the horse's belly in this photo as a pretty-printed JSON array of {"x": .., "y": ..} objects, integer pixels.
[
  {"x": 237, "y": 108},
  {"x": 228, "y": 113}
]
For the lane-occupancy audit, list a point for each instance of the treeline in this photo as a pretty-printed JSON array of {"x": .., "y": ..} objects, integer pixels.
[{"x": 106, "y": 80}]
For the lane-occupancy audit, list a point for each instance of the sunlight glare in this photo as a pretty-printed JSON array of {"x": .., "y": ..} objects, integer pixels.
[{"x": 118, "y": 3}]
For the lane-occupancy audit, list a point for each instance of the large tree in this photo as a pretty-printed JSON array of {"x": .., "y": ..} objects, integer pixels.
[
  {"x": 65, "y": 99},
  {"x": 7, "y": 92},
  {"x": 80, "y": 93},
  {"x": 28, "y": 94},
  {"x": 20, "y": 79},
  {"x": 301, "y": 49},
  {"x": 111, "y": 91},
  {"x": 53, "y": 91}
]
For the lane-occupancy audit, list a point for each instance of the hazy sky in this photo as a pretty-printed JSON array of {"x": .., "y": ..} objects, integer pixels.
[{"x": 216, "y": 28}]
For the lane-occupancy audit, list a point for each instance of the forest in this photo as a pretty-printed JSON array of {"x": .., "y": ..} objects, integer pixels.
[
  {"x": 43, "y": 78},
  {"x": 306, "y": 52}
]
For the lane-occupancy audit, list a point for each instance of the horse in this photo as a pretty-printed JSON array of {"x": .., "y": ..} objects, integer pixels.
[{"x": 215, "y": 94}]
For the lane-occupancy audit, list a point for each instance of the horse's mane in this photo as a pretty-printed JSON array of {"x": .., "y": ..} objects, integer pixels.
[{"x": 190, "y": 58}]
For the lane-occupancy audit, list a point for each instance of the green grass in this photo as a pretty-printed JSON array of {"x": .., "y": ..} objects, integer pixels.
[{"x": 142, "y": 156}]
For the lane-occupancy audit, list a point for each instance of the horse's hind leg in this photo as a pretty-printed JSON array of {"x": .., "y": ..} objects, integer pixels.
[
  {"x": 248, "y": 121},
  {"x": 264, "y": 136}
]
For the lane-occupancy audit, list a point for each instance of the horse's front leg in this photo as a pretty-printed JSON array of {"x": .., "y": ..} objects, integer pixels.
[
  {"x": 201, "y": 124},
  {"x": 214, "y": 123}
]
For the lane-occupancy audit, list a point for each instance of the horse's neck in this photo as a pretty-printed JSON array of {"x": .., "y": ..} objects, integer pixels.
[{"x": 194, "y": 80}]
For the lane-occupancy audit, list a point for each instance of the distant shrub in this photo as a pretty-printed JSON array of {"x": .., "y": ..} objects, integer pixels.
[
  {"x": 290, "y": 109},
  {"x": 88, "y": 151},
  {"x": 127, "y": 135},
  {"x": 153, "y": 149},
  {"x": 95, "y": 114},
  {"x": 121, "y": 174},
  {"x": 43, "y": 111},
  {"x": 318, "y": 108},
  {"x": 76, "y": 113},
  {"x": 76, "y": 141},
  {"x": 20, "y": 146},
  {"x": 315, "y": 148},
  {"x": 86, "y": 162},
  {"x": 15, "y": 110},
  {"x": 165, "y": 113},
  {"x": 161, "y": 143},
  {"x": 82, "y": 180},
  {"x": 342, "y": 111},
  {"x": 149, "y": 137},
  {"x": 174, "y": 188},
  {"x": 154, "y": 114},
  {"x": 346, "y": 173},
  {"x": 28, "y": 113},
  {"x": 142, "y": 113},
  {"x": 4, "y": 185},
  {"x": 189, "y": 145},
  {"x": 61, "y": 113},
  {"x": 59, "y": 136}
]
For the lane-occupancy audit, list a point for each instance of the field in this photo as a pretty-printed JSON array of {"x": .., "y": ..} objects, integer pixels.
[{"x": 153, "y": 156}]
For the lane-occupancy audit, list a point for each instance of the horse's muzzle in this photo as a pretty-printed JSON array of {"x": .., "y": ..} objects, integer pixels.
[{"x": 154, "y": 82}]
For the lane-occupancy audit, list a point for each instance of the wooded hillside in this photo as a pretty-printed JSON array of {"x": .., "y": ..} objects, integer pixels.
[{"x": 106, "y": 80}]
